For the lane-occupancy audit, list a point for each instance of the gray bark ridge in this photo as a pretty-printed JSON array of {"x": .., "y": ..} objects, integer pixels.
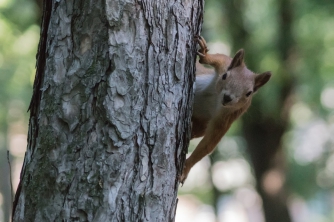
[{"x": 112, "y": 122}]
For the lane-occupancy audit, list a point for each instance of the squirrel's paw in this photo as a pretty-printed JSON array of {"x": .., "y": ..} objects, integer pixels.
[
  {"x": 184, "y": 175},
  {"x": 203, "y": 47}
]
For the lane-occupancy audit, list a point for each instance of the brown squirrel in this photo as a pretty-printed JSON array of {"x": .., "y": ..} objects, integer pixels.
[{"x": 222, "y": 95}]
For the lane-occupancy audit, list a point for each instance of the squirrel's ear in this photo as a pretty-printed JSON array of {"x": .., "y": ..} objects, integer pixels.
[
  {"x": 237, "y": 60},
  {"x": 261, "y": 79}
]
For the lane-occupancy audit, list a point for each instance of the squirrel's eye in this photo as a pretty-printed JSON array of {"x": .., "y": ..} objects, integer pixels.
[
  {"x": 224, "y": 76},
  {"x": 249, "y": 93}
]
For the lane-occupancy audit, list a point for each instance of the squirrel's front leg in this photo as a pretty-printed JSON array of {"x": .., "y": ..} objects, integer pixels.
[
  {"x": 215, "y": 131},
  {"x": 218, "y": 61},
  {"x": 205, "y": 147}
]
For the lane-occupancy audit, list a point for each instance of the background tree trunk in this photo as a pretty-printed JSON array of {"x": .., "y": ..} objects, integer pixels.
[
  {"x": 110, "y": 113},
  {"x": 5, "y": 187},
  {"x": 263, "y": 131}
]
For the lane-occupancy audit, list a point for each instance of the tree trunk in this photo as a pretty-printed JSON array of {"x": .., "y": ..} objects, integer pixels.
[
  {"x": 264, "y": 136},
  {"x": 110, "y": 113},
  {"x": 263, "y": 132},
  {"x": 5, "y": 186}
]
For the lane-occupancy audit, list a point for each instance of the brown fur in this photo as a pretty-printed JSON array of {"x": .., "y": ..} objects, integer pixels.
[{"x": 219, "y": 102}]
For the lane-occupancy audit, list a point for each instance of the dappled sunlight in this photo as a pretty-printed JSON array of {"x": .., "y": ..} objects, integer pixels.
[
  {"x": 4, "y": 3},
  {"x": 273, "y": 181},
  {"x": 330, "y": 164},
  {"x": 251, "y": 201},
  {"x": 17, "y": 147},
  {"x": 233, "y": 211},
  {"x": 189, "y": 208},
  {"x": 198, "y": 176},
  {"x": 219, "y": 47},
  {"x": 17, "y": 144},
  {"x": 309, "y": 142},
  {"x": 229, "y": 147},
  {"x": 300, "y": 114},
  {"x": 1, "y": 58},
  {"x": 325, "y": 178},
  {"x": 16, "y": 171},
  {"x": 26, "y": 43},
  {"x": 243, "y": 206},
  {"x": 17, "y": 138},
  {"x": 298, "y": 209},
  {"x": 327, "y": 97},
  {"x": 312, "y": 211},
  {"x": 231, "y": 174}
]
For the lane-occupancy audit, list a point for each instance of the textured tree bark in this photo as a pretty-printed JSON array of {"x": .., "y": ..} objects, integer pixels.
[{"x": 110, "y": 113}]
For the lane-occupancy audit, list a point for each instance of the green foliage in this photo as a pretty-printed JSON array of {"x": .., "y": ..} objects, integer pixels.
[
  {"x": 19, "y": 36},
  {"x": 308, "y": 65}
]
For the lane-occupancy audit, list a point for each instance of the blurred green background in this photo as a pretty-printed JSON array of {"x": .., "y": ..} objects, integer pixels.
[
  {"x": 276, "y": 163},
  {"x": 19, "y": 37}
]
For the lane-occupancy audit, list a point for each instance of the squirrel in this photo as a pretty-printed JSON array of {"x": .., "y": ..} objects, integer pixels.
[{"x": 222, "y": 95}]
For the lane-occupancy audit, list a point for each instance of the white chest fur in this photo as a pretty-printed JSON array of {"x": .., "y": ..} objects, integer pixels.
[{"x": 206, "y": 103}]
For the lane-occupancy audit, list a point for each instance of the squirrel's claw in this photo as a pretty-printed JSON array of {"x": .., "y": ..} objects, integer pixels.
[
  {"x": 184, "y": 175},
  {"x": 182, "y": 178},
  {"x": 200, "y": 54},
  {"x": 203, "y": 47}
]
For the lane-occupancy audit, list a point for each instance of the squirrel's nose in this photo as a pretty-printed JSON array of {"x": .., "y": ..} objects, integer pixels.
[{"x": 227, "y": 98}]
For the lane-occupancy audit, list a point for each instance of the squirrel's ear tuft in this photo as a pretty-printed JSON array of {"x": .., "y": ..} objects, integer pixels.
[
  {"x": 238, "y": 59},
  {"x": 261, "y": 79}
]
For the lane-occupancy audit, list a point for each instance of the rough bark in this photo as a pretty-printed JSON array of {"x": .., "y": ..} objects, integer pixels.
[{"x": 110, "y": 113}]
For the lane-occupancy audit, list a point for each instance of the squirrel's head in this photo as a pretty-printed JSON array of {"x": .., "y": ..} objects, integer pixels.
[{"x": 237, "y": 84}]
